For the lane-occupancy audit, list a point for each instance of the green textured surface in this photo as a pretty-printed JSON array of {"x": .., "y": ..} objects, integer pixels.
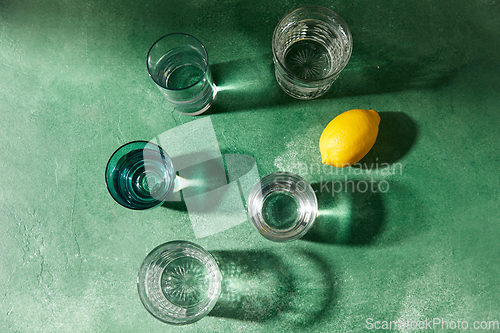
[{"x": 74, "y": 87}]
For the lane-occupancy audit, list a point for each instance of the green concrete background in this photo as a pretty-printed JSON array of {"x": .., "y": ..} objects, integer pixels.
[{"x": 74, "y": 87}]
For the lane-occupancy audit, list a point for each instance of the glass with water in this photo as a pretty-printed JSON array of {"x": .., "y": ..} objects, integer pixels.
[
  {"x": 178, "y": 64},
  {"x": 282, "y": 206},
  {"x": 140, "y": 175}
]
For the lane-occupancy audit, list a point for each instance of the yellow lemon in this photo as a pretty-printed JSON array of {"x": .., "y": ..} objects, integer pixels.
[{"x": 349, "y": 137}]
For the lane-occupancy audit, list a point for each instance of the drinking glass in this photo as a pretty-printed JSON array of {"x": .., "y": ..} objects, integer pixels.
[
  {"x": 179, "y": 282},
  {"x": 178, "y": 64},
  {"x": 311, "y": 46},
  {"x": 282, "y": 206},
  {"x": 140, "y": 175}
]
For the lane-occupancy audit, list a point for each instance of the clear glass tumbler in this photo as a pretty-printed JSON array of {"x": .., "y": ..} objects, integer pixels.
[
  {"x": 179, "y": 282},
  {"x": 178, "y": 64},
  {"x": 140, "y": 175},
  {"x": 282, "y": 206},
  {"x": 311, "y": 46}
]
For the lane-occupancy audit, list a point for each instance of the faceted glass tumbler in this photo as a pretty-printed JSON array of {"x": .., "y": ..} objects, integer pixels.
[
  {"x": 311, "y": 46},
  {"x": 282, "y": 206},
  {"x": 178, "y": 64},
  {"x": 140, "y": 175},
  {"x": 179, "y": 282}
]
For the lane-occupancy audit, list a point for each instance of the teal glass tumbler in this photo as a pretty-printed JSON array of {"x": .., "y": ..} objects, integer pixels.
[
  {"x": 282, "y": 206},
  {"x": 178, "y": 64},
  {"x": 179, "y": 282},
  {"x": 140, "y": 175}
]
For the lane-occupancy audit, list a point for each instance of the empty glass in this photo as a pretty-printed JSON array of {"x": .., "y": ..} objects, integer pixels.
[
  {"x": 179, "y": 282},
  {"x": 311, "y": 46},
  {"x": 282, "y": 206},
  {"x": 140, "y": 175},
  {"x": 178, "y": 64}
]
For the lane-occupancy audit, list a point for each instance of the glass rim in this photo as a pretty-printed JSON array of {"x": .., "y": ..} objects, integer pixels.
[
  {"x": 205, "y": 53},
  {"x": 114, "y": 153},
  {"x": 316, "y": 7}
]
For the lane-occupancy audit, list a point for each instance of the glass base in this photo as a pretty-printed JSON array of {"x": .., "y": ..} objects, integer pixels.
[{"x": 300, "y": 92}]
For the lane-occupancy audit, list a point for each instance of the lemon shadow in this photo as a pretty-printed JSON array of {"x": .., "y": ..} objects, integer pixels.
[{"x": 396, "y": 136}]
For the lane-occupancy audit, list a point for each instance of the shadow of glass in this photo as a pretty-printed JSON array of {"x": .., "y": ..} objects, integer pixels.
[
  {"x": 315, "y": 291},
  {"x": 352, "y": 216},
  {"x": 175, "y": 205},
  {"x": 406, "y": 216},
  {"x": 397, "y": 135},
  {"x": 198, "y": 180},
  {"x": 205, "y": 184},
  {"x": 256, "y": 285},
  {"x": 262, "y": 286},
  {"x": 250, "y": 83},
  {"x": 386, "y": 213},
  {"x": 204, "y": 177},
  {"x": 367, "y": 75},
  {"x": 247, "y": 84},
  {"x": 391, "y": 55},
  {"x": 238, "y": 165}
]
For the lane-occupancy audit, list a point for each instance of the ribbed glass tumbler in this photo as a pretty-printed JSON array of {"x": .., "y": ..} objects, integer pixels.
[
  {"x": 311, "y": 46},
  {"x": 179, "y": 282}
]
